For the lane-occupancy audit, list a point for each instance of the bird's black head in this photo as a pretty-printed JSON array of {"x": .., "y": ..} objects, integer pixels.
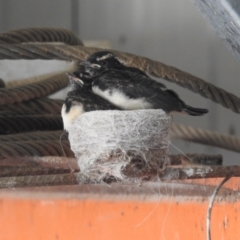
[
  {"x": 101, "y": 61},
  {"x": 79, "y": 81}
]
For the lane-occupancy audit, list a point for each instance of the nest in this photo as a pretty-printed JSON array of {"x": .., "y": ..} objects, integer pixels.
[{"x": 120, "y": 144}]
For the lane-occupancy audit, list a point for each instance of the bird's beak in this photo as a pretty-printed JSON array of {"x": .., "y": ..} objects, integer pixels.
[
  {"x": 85, "y": 64},
  {"x": 90, "y": 65},
  {"x": 74, "y": 79}
]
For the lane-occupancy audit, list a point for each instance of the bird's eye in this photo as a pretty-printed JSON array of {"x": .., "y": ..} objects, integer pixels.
[{"x": 103, "y": 62}]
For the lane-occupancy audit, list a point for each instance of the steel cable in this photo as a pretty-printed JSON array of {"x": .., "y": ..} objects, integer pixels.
[
  {"x": 24, "y": 81},
  {"x": 10, "y": 124},
  {"x": 40, "y": 35},
  {"x": 158, "y": 69},
  {"x": 178, "y": 131},
  {"x": 33, "y": 90},
  {"x": 36, "y": 106},
  {"x": 35, "y": 136},
  {"x": 38, "y": 51},
  {"x": 45, "y": 146},
  {"x": 206, "y": 137},
  {"x": 184, "y": 79},
  {"x": 35, "y": 148}
]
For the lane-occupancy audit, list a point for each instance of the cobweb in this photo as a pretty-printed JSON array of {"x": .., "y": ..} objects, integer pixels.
[{"x": 120, "y": 143}]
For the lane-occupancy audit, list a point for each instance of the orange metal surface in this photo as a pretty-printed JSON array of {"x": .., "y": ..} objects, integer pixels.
[{"x": 84, "y": 213}]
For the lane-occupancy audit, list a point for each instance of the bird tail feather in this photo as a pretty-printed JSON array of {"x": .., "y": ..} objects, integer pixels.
[{"x": 195, "y": 111}]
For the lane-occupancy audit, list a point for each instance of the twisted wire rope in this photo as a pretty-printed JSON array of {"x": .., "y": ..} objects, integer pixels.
[
  {"x": 158, "y": 69},
  {"x": 36, "y": 106},
  {"x": 13, "y": 45},
  {"x": 24, "y": 81},
  {"x": 206, "y": 137},
  {"x": 35, "y": 148},
  {"x": 40, "y": 35},
  {"x": 178, "y": 131},
  {"x": 35, "y": 136},
  {"x": 33, "y": 90},
  {"x": 10, "y": 124}
]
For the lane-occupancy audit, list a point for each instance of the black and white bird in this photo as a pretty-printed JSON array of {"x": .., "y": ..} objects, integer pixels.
[
  {"x": 130, "y": 88},
  {"x": 80, "y": 99}
]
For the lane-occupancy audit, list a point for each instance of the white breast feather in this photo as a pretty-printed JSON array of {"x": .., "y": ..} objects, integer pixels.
[
  {"x": 71, "y": 115},
  {"x": 120, "y": 100}
]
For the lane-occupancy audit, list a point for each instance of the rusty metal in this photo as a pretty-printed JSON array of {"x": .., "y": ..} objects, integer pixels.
[
  {"x": 31, "y": 171},
  {"x": 35, "y": 107},
  {"x": 35, "y": 136},
  {"x": 195, "y": 159},
  {"x": 158, "y": 69},
  {"x": 21, "y": 166},
  {"x": 43, "y": 180},
  {"x": 40, "y": 35},
  {"x": 35, "y": 148},
  {"x": 205, "y": 137},
  {"x": 170, "y": 173},
  {"x": 10, "y": 124},
  {"x": 16, "y": 166},
  {"x": 146, "y": 172},
  {"x": 34, "y": 90}
]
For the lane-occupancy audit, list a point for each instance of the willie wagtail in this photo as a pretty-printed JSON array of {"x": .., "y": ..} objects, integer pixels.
[
  {"x": 80, "y": 99},
  {"x": 130, "y": 88}
]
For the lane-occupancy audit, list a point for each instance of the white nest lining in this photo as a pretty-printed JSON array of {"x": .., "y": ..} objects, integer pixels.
[{"x": 104, "y": 142}]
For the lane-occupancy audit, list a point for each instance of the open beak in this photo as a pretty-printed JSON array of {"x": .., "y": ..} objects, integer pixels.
[
  {"x": 90, "y": 65},
  {"x": 85, "y": 64},
  {"x": 74, "y": 79}
]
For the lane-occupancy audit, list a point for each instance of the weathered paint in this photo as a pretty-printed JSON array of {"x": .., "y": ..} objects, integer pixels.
[{"x": 93, "y": 212}]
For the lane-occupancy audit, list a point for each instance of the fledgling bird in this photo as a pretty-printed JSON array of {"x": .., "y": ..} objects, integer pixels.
[
  {"x": 81, "y": 99},
  {"x": 130, "y": 88}
]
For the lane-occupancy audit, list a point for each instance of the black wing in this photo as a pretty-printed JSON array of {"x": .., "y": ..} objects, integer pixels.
[
  {"x": 136, "y": 85},
  {"x": 90, "y": 101}
]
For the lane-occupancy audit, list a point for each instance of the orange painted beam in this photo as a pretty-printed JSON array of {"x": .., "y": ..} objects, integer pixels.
[{"x": 125, "y": 212}]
